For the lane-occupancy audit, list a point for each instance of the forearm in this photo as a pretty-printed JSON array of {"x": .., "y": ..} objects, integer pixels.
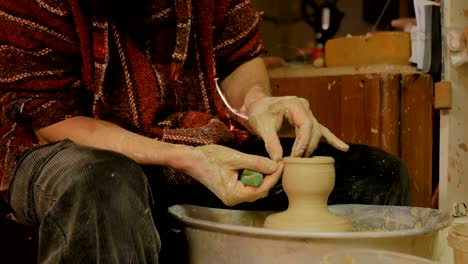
[
  {"x": 105, "y": 135},
  {"x": 249, "y": 82}
]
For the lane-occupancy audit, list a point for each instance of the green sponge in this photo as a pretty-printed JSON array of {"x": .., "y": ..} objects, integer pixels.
[{"x": 251, "y": 178}]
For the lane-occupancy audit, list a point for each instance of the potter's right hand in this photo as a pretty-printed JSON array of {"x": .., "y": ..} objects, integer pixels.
[
  {"x": 266, "y": 116},
  {"x": 217, "y": 168}
]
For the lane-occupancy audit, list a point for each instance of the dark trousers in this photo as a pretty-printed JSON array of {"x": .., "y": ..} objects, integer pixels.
[{"x": 91, "y": 205}]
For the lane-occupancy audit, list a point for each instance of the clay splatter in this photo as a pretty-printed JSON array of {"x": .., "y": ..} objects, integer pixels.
[{"x": 463, "y": 147}]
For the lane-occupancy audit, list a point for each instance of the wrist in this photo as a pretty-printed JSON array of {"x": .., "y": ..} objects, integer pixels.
[
  {"x": 254, "y": 95},
  {"x": 180, "y": 157}
]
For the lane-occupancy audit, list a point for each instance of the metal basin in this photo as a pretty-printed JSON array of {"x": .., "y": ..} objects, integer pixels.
[{"x": 236, "y": 236}]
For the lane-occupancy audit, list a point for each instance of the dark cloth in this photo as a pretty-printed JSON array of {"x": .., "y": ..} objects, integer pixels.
[
  {"x": 83, "y": 200},
  {"x": 153, "y": 75}
]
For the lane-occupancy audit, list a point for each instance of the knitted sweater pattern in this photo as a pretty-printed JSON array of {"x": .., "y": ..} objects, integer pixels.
[{"x": 156, "y": 77}]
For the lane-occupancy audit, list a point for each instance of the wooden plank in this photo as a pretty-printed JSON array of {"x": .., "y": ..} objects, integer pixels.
[
  {"x": 360, "y": 102},
  {"x": 390, "y": 113},
  {"x": 416, "y": 135},
  {"x": 348, "y": 105},
  {"x": 443, "y": 95},
  {"x": 300, "y": 71}
]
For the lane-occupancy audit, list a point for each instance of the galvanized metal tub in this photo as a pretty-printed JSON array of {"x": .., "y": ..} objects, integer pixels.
[{"x": 236, "y": 236}]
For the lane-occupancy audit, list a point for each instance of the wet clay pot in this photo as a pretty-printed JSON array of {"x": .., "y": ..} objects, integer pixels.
[{"x": 308, "y": 182}]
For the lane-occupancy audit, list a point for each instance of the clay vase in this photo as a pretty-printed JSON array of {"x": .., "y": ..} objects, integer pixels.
[{"x": 308, "y": 182}]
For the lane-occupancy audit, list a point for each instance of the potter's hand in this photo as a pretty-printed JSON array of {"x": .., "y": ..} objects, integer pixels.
[
  {"x": 266, "y": 117},
  {"x": 217, "y": 168}
]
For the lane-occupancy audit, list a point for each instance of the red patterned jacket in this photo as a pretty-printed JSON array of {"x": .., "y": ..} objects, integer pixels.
[{"x": 156, "y": 78}]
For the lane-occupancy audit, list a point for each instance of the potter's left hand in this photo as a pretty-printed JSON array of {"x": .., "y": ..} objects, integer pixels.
[{"x": 266, "y": 117}]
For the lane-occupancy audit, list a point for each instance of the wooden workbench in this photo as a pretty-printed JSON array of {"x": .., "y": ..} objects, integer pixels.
[{"x": 382, "y": 105}]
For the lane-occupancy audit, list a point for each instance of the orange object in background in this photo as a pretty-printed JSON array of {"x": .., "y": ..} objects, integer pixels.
[
  {"x": 386, "y": 47},
  {"x": 318, "y": 56}
]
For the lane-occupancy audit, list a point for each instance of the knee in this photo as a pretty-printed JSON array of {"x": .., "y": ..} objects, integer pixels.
[{"x": 99, "y": 173}]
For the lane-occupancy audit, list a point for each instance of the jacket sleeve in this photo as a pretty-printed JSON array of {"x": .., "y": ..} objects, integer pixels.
[
  {"x": 236, "y": 36},
  {"x": 40, "y": 76}
]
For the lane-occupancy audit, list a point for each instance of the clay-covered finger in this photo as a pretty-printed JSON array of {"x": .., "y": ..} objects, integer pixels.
[
  {"x": 256, "y": 163},
  {"x": 301, "y": 142},
  {"x": 268, "y": 132},
  {"x": 333, "y": 140},
  {"x": 303, "y": 122},
  {"x": 268, "y": 182},
  {"x": 303, "y": 137},
  {"x": 273, "y": 146},
  {"x": 314, "y": 139}
]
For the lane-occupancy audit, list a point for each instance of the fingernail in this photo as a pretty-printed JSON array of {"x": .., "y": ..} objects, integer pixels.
[{"x": 344, "y": 146}]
